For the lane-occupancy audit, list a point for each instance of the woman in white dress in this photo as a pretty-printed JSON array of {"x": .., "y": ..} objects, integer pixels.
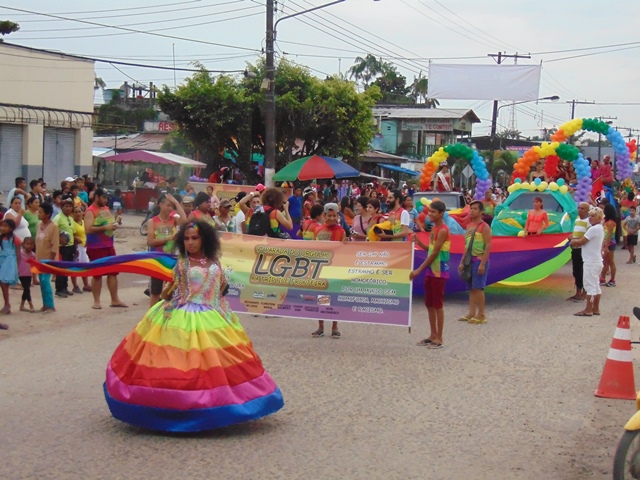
[{"x": 16, "y": 213}]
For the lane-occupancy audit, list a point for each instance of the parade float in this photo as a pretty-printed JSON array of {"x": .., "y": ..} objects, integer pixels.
[{"x": 517, "y": 259}]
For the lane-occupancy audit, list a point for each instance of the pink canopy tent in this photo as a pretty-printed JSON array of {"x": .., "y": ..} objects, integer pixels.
[{"x": 154, "y": 157}]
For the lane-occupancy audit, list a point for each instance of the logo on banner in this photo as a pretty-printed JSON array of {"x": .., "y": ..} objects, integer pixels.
[{"x": 295, "y": 267}]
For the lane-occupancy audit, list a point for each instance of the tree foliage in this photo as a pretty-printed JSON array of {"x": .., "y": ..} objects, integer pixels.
[
  {"x": 224, "y": 115},
  {"x": 113, "y": 118},
  {"x": 7, "y": 27},
  {"x": 370, "y": 71}
]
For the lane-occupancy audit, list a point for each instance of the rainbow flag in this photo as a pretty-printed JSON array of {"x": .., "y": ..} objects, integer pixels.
[{"x": 153, "y": 264}]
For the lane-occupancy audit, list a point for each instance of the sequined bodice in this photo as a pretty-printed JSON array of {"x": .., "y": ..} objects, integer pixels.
[{"x": 204, "y": 285}]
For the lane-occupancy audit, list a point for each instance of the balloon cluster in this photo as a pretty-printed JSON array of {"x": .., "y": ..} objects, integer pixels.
[
  {"x": 539, "y": 185},
  {"x": 551, "y": 166},
  {"x": 633, "y": 149},
  {"x": 583, "y": 172},
  {"x": 622, "y": 155},
  {"x": 195, "y": 178},
  {"x": 421, "y": 206},
  {"x": 459, "y": 150}
]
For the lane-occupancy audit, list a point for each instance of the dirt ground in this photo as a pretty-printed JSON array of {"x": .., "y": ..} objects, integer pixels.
[{"x": 510, "y": 399}]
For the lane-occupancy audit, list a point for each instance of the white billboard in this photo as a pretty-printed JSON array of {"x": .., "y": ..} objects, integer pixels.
[{"x": 484, "y": 82}]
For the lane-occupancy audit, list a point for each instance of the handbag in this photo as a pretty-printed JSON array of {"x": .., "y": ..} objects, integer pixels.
[{"x": 466, "y": 273}]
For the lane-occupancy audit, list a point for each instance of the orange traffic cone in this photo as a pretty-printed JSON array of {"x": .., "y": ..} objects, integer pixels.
[{"x": 617, "y": 377}]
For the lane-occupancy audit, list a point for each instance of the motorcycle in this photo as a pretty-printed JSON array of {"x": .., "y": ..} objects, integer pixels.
[{"x": 626, "y": 463}]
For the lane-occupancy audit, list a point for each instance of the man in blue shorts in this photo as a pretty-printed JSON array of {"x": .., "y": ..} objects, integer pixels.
[{"x": 481, "y": 234}]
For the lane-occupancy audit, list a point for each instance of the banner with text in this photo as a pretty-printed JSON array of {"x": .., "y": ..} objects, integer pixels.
[{"x": 353, "y": 282}]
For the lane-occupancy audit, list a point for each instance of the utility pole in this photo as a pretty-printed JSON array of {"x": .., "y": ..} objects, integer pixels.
[
  {"x": 499, "y": 57},
  {"x": 270, "y": 103},
  {"x": 608, "y": 119}
]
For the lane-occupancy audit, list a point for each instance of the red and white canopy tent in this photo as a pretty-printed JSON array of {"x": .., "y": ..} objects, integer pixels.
[{"x": 156, "y": 158}]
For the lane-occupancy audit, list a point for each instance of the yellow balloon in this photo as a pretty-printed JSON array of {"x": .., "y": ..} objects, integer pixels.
[
  {"x": 524, "y": 185},
  {"x": 533, "y": 187},
  {"x": 424, "y": 201},
  {"x": 543, "y": 186},
  {"x": 553, "y": 186},
  {"x": 563, "y": 189},
  {"x": 521, "y": 233},
  {"x": 512, "y": 188}
]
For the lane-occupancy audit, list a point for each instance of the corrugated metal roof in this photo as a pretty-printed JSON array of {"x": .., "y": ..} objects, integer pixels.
[
  {"x": 430, "y": 113},
  {"x": 142, "y": 141}
]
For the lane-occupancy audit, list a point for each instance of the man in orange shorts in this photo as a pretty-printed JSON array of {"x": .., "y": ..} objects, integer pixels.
[{"x": 437, "y": 272}]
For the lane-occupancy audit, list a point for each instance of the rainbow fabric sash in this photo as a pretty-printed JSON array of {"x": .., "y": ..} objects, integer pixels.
[{"x": 153, "y": 264}]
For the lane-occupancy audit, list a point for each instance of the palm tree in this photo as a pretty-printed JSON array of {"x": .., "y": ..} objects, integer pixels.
[
  {"x": 419, "y": 92},
  {"x": 366, "y": 69}
]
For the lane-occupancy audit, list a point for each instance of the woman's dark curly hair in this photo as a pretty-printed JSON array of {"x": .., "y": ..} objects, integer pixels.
[
  {"x": 210, "y": 240},
  {"x": 273, "y": 197},
  {"x": 610, "y": 213}
]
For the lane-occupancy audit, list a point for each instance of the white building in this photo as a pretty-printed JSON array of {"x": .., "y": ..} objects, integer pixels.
[{"x": 46, "y": 113}]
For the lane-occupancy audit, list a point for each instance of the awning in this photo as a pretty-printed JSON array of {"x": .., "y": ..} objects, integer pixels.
[
  {"x": 155, "y": 157},
  {"x": 394, "y": 168}
]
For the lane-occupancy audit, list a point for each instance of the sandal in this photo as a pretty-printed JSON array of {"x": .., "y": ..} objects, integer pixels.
[
  {"x": 434, "y": 346},
  {"x": 477, "y": 320},
  {"x": 318, "y": 333},
  {"x": 464, "y": 319},
  {"x": 4, "y": 326},
  {"x": 335, "y": 334},
  {"x": 424, "y": 343}
]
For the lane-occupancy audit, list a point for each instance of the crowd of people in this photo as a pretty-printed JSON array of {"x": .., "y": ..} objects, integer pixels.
[{"x": 72, "y": 223}]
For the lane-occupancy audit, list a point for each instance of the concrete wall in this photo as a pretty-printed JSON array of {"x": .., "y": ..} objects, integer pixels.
[
  {"x": 41, "y": 81},
  {"x": 29, "y": 77}
]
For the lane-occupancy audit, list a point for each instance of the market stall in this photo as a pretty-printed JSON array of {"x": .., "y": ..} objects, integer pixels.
[{"x": 138, "y": 174}]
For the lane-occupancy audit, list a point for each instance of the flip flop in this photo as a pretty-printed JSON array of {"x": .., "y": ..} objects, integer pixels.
[
  {"x": 424, "y": 343},
  {"x": 120, "y": 305},
  {"x": 580, "y": 314},
  {"x": 96, "y": 307},
  {"x": 434, "y": 346},
  {"x": 4, "y": 326},
  {"x": 596, "y": 313}
]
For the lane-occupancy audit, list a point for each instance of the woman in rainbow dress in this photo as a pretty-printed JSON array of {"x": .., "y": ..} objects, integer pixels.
[{"x": 189, "y": 365}]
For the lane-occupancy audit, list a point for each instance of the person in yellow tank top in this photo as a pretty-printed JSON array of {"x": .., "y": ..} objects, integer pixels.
[{"x": 479, "y": 262}]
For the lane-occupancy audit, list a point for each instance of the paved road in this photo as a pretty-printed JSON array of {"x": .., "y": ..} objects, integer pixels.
[{"x": 510, "y": 399}]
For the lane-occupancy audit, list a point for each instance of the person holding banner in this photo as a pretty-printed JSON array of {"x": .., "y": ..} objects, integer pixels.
[
  {"x": 437, "y": 273},
  {"x": 330, "y": 231}
]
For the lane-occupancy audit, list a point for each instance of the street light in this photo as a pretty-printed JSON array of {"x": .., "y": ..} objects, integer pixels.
[{"x": 270, "y": 103}]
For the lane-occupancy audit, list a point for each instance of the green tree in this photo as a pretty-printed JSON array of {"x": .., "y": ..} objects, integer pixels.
[
  {"x": 225, "y": 115},
  {"x": 7, "y": 27},
  {"x": 366, "y": 69},
  {"x": 419, "y": 90},
  {"x": 177, "y": 143},
  {"x": 392, "y": 85},
  {"x": 113, "y": 118}
]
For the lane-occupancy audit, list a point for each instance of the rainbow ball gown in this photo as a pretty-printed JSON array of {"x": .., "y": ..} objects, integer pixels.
[{"x": 189, "y": 365}]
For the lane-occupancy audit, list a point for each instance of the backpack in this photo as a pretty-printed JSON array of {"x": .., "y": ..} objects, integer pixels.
[{"x": 260, "y": 224}]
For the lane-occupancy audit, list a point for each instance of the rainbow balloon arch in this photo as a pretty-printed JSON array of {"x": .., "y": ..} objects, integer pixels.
[{"x": 552, "y": 152}]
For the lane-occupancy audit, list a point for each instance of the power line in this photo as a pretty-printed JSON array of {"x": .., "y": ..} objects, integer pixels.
[
  {"x": 128, "y": 8},
  {"x": 585, "y": 48},
  {"x": 591, "y": 54},
  {"x": 131, "y": 30},
  {"x": 159, "y": 21},
  {"x": 147, "y": 12}
]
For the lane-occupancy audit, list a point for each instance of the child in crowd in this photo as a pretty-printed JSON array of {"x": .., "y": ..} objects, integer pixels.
[
  {"x": 437, "y": 273},
  {"x": 47, "y": 243},
  {"x": 9, "y": 254},
  {"x": 330, "y": 231},
  {"x": 24, "y": 273},
  {"x": 80, "y": 237},
  {"x": 631, "y": 225}
]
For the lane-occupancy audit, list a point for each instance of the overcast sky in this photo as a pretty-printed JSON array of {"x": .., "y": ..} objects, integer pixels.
[{"x": 407, "y": 33}]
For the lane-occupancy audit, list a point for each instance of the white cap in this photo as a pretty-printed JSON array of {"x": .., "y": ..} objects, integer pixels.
[{"x": 69, "y": 179}]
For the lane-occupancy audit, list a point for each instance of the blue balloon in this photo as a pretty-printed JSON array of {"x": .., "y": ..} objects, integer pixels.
[
  {"x": 537, "y": 181},
  {"x": 517, "y": 180}
]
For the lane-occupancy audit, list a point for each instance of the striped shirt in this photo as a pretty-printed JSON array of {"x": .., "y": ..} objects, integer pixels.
[{"x": 580, "y": 227}]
